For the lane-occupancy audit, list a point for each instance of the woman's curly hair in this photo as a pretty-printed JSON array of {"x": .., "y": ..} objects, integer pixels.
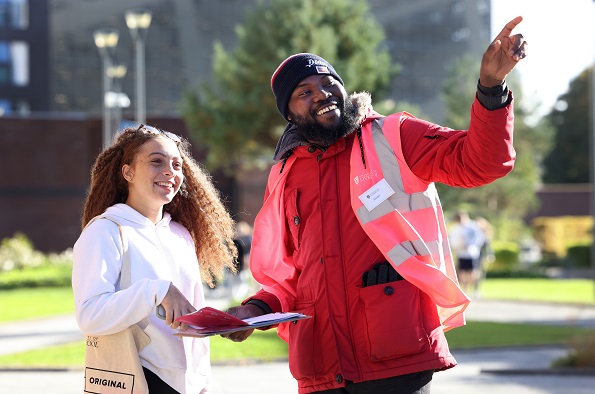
[{"x": 197, "y": 205}]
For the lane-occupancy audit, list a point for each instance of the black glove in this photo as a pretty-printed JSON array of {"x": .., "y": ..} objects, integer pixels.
[{"x": 379, "y": 274}]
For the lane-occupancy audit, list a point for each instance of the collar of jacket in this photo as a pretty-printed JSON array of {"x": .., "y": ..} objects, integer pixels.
[{"x": 291, "y": 138}]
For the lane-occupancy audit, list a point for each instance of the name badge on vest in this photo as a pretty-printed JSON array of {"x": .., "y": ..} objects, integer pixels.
[{"x": 375, "y": 195}]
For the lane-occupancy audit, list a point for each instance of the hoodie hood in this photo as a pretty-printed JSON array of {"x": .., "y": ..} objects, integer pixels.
[
  {"x": 123, "y": 211},
  {"x": 292, "y": 139}
]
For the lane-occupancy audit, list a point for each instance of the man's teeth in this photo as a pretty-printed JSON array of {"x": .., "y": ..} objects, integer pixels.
[{"x": 326, "y": 109}]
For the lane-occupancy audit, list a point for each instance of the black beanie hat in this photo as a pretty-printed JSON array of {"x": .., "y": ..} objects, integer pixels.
[{"x": 292, "y": 71}]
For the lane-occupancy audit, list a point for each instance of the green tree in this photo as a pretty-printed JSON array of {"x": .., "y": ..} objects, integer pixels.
[
  {"x": 235, "y": 117},
  {"x": 568, "y": 162},
  {"x": 513, "y": 196}
]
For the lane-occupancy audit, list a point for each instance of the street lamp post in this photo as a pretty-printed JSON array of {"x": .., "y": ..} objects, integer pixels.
[
  {"x": 116, "y": 72},
  {"x": 592, "y": 122},
  {"x": 106, "y": 41},
  {"x": 138, "y": 21}
]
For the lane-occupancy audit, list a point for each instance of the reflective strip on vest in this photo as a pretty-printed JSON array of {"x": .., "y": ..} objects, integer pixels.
[{"x": 408, "y": 227}]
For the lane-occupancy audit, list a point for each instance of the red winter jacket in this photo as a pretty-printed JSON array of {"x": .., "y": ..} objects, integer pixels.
[{"x": 309, "y": 252}]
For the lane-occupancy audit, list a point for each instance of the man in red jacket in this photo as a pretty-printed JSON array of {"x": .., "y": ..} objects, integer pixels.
[{"x": 352, "y": 233}]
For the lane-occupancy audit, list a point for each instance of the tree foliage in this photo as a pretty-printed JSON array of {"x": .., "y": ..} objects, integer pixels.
[
  {"x": 235, "y": 117},
  {"x": 514, "y": 195},
  {"x": 568, "y": 161}
]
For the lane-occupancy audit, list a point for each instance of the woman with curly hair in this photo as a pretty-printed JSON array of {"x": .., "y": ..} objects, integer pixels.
[{"x": 177, "y": 231}]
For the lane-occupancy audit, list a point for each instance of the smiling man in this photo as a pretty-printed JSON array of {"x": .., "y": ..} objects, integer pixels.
[
  {"x": 352, "y": 232},
  {"x": 327, "y": 119}
]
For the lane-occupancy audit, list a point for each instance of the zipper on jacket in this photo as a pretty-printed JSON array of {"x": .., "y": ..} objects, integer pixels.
[
  {"x": 283, "y": 165},
  {"x": 361, "y": 145}
]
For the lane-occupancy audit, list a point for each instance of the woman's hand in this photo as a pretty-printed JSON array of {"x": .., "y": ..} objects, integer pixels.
[{"x": 175, "y": 305}]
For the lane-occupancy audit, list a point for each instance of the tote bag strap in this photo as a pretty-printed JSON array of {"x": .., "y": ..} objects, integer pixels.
[
  {"x": 115, "y": 357},
  {"x": 125, "y": 270}
]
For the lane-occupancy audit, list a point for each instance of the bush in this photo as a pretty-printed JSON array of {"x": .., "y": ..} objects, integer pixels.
[
  {"x": 514, "y": 273},
  {"x": 506, "y": 254},
  {"x": 42, "y": 276},
  {"x": 582, "y": 354},
  {"x": 23, "y": 266},
  {"x": 18, "y": 252},
  {"x": 579, "y": 256}
]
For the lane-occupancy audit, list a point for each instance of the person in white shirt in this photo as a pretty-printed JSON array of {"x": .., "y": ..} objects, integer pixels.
[
  {"x": 466, "y": 240},
  {"x": 177, "y": 231}
]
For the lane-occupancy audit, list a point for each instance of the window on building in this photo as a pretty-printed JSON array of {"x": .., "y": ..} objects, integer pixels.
[
  {"x": 14, "y": 14},
  {"x": 4, "y": 106},
  {"x": 5, "y": 65},
  {"x": 20, "y": 62},
  {"x": 14, "y": 63}
]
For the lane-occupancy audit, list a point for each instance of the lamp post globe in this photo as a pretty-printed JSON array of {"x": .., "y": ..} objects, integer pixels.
[
  {"x": 106, "y": 40},
  {"x": 116, "y": 72},
  {"x": 138, "y": 21}
]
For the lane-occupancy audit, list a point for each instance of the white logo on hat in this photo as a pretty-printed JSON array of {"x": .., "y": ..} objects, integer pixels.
[{"x": 313, "y": 62}]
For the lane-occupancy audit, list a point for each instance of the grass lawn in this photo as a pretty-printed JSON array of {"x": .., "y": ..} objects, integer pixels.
[
  {"x": 262, "y": 345},
  {"x": 30, "y": 303},
  {"x": 266, "y": 346},
  {"x": 579, "y": 291},
  {"x": 487, "y": 334},
  {"x": 40, "y": 302},
  {"x": 19, "y": 304}
]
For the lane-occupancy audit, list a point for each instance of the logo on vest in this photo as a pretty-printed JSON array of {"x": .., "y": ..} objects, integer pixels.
[{"x": 366, "y": 177}]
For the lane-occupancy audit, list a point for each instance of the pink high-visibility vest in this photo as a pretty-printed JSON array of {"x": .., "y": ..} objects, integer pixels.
[
  {"x": 408, "y": 227},
  {"x": 403, "y": 217}
]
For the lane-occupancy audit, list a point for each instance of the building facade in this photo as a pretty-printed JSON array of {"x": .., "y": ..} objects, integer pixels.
[
  {"x": 24, "y": 57},
  {"x": 424, "y": 37},
  {"x": 51, "y": 93}
]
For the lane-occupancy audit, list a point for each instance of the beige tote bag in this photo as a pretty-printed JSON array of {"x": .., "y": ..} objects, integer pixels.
[{"x": 112, "y": 364}]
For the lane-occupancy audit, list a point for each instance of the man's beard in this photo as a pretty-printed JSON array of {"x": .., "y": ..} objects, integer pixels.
[{"x": 323, "y": 135}]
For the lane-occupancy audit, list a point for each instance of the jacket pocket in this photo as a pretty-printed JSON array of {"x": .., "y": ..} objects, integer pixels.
[
  {"x": 305, "y": 358},
  {"x": 293, "y": 217},
  {"x": 393, "y": 320}
]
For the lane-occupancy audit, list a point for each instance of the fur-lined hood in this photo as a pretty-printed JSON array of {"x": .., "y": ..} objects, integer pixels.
[{"x": 292, "y": 139}]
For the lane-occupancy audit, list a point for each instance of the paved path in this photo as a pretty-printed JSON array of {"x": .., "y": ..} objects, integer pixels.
[
  {"x": 19, "y": 337},
  {"x": 532, "y": 313},
  {"x": 472, "y": 375},
  {"x": 274, "y": 378}
]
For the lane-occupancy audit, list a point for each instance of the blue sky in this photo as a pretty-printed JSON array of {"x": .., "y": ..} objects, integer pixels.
[{"x": 561, "y": 35}]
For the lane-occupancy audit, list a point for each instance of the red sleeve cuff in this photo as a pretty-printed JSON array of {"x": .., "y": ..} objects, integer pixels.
[{"x": 268, "y": 298}]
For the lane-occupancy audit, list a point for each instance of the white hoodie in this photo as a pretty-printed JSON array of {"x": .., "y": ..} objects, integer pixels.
[{"x": 159, "y": 254}]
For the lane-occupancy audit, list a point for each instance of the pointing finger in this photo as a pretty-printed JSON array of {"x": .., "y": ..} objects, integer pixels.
[{"x": 510, "y": 27}]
